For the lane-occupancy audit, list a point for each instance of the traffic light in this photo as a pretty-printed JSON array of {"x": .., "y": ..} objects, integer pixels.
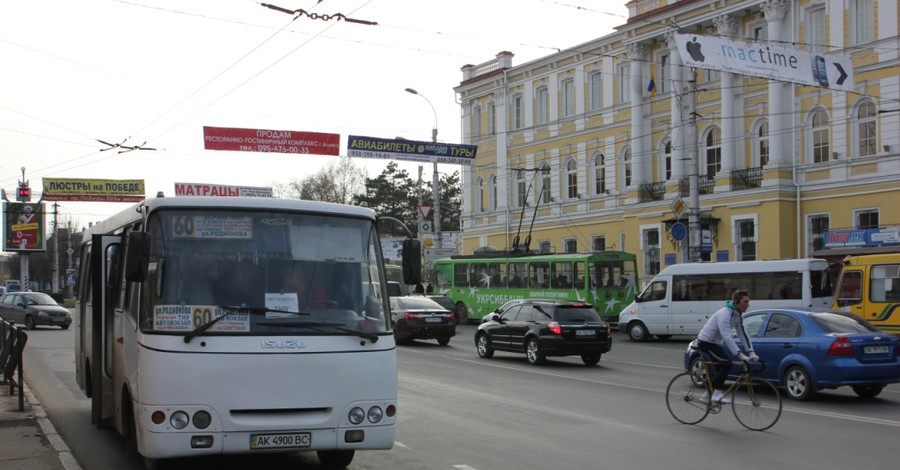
[{"x": 24, "y": 193}]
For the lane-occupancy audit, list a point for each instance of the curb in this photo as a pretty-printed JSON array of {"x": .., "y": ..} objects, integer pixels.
[{"x": 65, "y": 454}]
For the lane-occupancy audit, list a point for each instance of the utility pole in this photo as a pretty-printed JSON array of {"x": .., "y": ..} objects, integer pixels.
[
  {"x": 56, "y": 244},
  {"x": 695, "y": 238}
]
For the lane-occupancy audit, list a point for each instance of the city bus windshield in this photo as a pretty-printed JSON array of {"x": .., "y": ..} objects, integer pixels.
[{"x": 250, "y": 273}]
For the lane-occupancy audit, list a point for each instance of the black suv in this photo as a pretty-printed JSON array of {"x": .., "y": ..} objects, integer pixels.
[{"x": 542, "y": 328}]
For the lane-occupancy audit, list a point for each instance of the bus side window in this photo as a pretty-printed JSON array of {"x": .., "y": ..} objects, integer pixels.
[{"x": 850, "y": 294}]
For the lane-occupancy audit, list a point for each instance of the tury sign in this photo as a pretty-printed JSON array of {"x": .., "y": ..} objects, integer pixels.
[{"x": 766, "y": 61}]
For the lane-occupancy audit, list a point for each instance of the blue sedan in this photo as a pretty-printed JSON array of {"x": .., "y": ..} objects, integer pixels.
[{"x": 805, "y": 350}]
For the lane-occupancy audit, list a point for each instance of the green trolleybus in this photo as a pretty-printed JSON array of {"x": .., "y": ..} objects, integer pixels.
[{"x": 478, "y": 284}]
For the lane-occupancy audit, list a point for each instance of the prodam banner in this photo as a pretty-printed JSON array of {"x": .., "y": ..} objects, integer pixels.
[{"x": 766, "y": 61}]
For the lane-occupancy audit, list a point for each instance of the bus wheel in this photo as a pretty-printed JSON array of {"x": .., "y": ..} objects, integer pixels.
[
  {"x": 335, "y": 458},
  {"x": 131, "y": 444},
  {"x": 462, "y": 314},
  {"x": 637, "y": 332}
]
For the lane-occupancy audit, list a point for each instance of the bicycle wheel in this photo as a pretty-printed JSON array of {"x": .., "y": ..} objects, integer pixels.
[
  {"x": 683, "y": 399},
  {"x": 756, "y": 404}
]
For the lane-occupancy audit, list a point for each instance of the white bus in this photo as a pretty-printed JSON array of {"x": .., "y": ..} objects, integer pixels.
[
  {"x": 680, "y": 299},
  {"x": 192, "y": 337}
]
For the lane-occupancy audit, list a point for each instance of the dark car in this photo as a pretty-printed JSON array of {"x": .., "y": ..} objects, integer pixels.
[
  {"x": 32, "y": 309},
  {"x": 417, "y": 317},
  {"x": 445, "y": 302},
  {"x": 807, "y": 349},
  {"x": 541, "y": 328}
]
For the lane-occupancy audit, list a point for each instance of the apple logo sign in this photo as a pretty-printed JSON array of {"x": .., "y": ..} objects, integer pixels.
[{"x": 693, "y": 49}]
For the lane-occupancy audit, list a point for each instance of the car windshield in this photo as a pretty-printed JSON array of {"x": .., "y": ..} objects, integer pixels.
[
  {"x": 839, "y": 323},
  {"x": 566, "y": 314},
  {"x": 39, "y": 299}
]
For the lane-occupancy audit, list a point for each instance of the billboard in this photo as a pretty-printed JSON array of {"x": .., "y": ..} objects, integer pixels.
[
  {"x": 92, "y": 190},
  {"x": 221, "y": 190},
  {"x": 266, "y": 140},
  {"x": 24, "y": 227},
  {"x": 413, "y": 150},
  {"x": 766, "y": 61}
]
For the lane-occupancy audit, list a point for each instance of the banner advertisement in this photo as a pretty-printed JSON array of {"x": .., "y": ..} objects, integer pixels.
[
  {"x": 24, "y": 227},
  {"x": 266, "y": 140},
  {"x": 412, "y": 150},
  {"x": 221, "y": 190},
  {"x": 92, "y": 190}
]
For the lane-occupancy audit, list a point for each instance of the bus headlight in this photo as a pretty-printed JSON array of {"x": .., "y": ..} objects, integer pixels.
[
  {"x": 179, "y": 420},
  {"x": 375, "y": 414},
  {"x": 356, "y": 415},
  {"x": 201, "y": 419}
]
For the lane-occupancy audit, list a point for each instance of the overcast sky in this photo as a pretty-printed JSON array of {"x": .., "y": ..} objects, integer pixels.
[{"x": 152, "y": 73}]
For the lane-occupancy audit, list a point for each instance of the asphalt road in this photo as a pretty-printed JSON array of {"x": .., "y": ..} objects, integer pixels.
[{"x": 460, "y": 412}]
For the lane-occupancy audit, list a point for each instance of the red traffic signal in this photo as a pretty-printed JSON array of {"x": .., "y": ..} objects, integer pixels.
[{"x": 24, "y": 194}]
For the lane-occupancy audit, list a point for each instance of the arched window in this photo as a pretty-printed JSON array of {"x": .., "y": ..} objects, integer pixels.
[
  {"x": 572, "y": 179},
  {"x": 479, "y": 195},
  {"x": 492, "y": 193},
  {"x": 521, "y": 191},
  {"x": 865, "y": 128},
  {"x": 626, "y": 168},
  {"x": 761, "y": 143},
  {"x": 545, "y": 183},
  {"x": 599, "y": 175},
  {"x": 820, "y": 136},
  {"x": 713, "y": 152},
  {"x": 665, "y": 159}
]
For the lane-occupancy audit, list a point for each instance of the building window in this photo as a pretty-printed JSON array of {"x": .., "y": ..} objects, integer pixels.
[
  {"x": 476, "y": 121},
  {"x": 626, "y": 163},
  {"x": 760, "y": 32},
  {"x": 820, "y": 138},
  {"x": 815, "y": 31},
  {"x": 663, "y": 84},
  {"x": 571, "y": 245},
  {"x": 479, "y": 195},
  {"x": 596, "y": 91},
  {"x": 818, "y": 225},
  {"x": 545, "y": 183},
  {"x": 666, "y": 160},
  {"x": 745, "y": 245},
  {"x": 650, "y": 240},
  {"x": 544, "y": 247},
  {"x": 517, "y": 112},
  {"x": 866, "y": 218},
  {"x": 599, "y": 175},
  {"x": 568, "y": 98},
  {"x": 762, "y": 143},
  {"x": 713, "y": 152},
  {"x": 492, "y": 193},
  {"x": 492, "y": 119},
  {"x": 598, "y": 243},
  {"x": 572, "y": 179},
  {"x": 710, "y": 75},
  {"x": 521, "y": 193},
  {"x": 863, "y": 22},
  {"x": 543, "y": 105},
  {"x": 865, "y": 125},
  {"x": 624, "y": 83}
]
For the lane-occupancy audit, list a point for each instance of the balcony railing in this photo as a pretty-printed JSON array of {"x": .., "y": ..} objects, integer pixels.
[
  {"x": 746, "y": 179},
  {"x": 652, "y": 191},
  {"x": 706, "y": 185}
]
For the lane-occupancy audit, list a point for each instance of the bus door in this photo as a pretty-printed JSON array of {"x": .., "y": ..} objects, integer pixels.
[{"x": 105, "y": 262}]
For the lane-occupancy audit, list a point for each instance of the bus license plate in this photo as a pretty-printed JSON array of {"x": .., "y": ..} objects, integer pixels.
[
  {"x": 276, "y": 441},
  {"x": 875, "y": 349},
  {"x": 585, "y": 332}
]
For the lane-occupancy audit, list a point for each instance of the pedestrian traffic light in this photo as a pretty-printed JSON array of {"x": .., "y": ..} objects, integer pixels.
[{"x": 24, "y": 193}]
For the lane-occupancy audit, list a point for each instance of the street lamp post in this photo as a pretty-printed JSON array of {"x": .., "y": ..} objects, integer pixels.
[{"x": 435, "y": 184}]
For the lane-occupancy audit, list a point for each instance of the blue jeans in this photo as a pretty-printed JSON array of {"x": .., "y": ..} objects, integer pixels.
[{"x": 714, "y": 353}]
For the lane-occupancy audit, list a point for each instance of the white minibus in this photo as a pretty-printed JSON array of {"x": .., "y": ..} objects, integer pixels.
[{"x": 680, "y": 299}]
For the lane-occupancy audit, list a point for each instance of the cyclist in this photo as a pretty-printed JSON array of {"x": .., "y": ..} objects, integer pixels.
[{"x": 716, "y": 332}]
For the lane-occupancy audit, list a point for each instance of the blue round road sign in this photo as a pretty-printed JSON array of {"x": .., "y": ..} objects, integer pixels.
[{"x": 679, "y": 231}]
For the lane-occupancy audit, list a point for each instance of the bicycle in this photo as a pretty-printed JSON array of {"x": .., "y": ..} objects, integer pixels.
[{"x": 755, "y": 402}]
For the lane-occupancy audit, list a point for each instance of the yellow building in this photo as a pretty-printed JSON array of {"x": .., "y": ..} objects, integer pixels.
[{"x": 598, "y": 144}]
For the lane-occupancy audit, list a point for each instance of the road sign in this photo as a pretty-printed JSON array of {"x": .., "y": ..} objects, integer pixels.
[
  {"x": 424, "y": 211},
  {"x": 678, "y": 207},
  {"x": 679, "y": 231},
  {"x": 425, "y": 227}
]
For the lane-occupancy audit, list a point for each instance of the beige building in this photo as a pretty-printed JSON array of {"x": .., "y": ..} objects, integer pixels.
[{"x": 583, "y": 144}]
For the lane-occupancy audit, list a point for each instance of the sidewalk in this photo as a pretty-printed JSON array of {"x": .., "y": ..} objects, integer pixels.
[{"x": 28, "y": 441}]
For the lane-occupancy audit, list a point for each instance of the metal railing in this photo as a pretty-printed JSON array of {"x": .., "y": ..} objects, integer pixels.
[
  {"x": 746, "y": 179},
  {"x": 706, "y": 185},
  {"x": 12, "y": 344},
  {"x": 652, "y": 191}
]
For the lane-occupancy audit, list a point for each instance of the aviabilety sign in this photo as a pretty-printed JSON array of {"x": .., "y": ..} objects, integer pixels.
[
  {"x": 766, "y": 61},
  {"x": 413, "y": 150}
]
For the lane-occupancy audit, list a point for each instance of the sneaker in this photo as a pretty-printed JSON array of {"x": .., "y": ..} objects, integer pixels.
[
  {"x": 704, "y": 398},
  {"x": 720, "y": 397}
]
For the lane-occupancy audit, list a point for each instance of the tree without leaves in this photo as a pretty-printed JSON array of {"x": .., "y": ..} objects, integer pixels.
[{"x": 340, "y": 182}]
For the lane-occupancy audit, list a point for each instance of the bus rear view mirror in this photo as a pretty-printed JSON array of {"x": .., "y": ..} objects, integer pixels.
[
  {"x": 412, "y": 261},
  {"x": 137, "y": 257}
]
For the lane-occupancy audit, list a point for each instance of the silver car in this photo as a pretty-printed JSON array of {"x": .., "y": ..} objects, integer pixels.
[{"x": 32, "y": 309}]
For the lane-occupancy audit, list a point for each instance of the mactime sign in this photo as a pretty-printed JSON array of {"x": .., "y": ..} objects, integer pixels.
[{"x": 766, "y": 61}]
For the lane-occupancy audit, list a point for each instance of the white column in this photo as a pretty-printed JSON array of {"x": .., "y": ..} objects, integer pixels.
[
  {"x": 675, "y": 108},
  {"x": 636, "y": 53},
  {"x": 501, "y": 113},
  {"x": 774, "y": 11},
  {"x": 726, "y": 25}
]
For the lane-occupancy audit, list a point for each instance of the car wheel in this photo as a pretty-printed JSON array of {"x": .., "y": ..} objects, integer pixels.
[
  {"x": 591, "y": 359},
  {"x": 483, "y": 345},
  {"x": 462, "y": 314},
  {"x": 29, "y": 322},
  {"x": 637, "y": 332},
  {"x": 533, "y": 352},
  {"x": 868, "y": 391},
  {"x": 443, "y": 341},
  {"x": 697, "y": 372},
  {"x": 64, "y": 327},
  {"x": 798, "y": 384}
]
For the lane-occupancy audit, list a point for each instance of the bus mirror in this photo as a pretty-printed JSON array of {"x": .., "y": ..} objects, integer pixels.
[
  {"x": 137, "y": 257},
  {"x": 412, "y": 261}
]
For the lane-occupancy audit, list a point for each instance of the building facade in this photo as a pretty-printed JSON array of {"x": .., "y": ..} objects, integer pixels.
[{"x": 594, "y": 148}]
